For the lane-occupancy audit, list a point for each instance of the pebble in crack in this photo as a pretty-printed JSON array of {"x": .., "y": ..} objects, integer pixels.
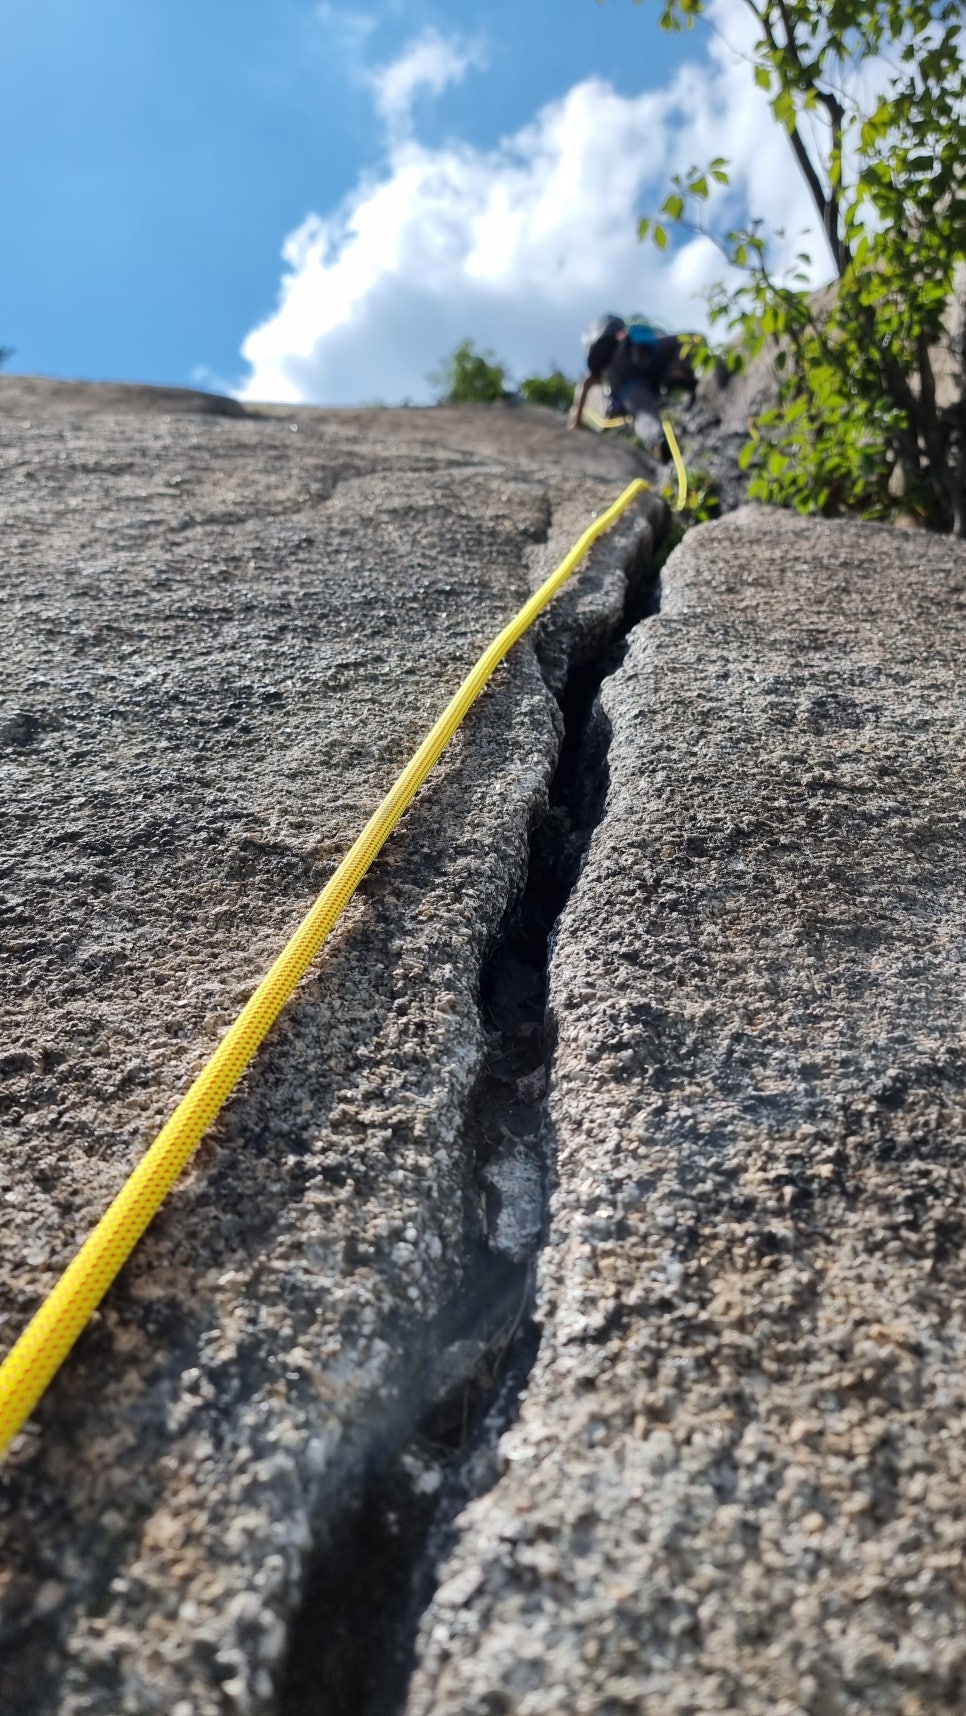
[{"x": 515, "y": 1177}]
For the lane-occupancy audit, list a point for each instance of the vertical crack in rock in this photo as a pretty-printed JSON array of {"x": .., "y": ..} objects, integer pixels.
[{"x": 353, "y": 1642}]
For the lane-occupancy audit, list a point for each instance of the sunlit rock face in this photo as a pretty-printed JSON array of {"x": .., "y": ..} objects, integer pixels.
[
  {"x": 566, "y": 1313},
  {"x": 223, "y": 635},
  {"x": 738, "y": 1458}
]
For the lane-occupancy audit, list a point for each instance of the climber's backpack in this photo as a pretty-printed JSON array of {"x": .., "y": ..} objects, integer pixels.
[
  {"x": 648, "y": 350},
  {"x": 643, "y": 335},
  {"x": 600, "y": 340}
]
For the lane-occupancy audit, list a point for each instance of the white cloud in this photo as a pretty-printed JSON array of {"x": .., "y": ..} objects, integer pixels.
[
  {"x": 352, "y": 28},
  {"x": 517, "y": 247},
  {"x": 432, "y": 63}
]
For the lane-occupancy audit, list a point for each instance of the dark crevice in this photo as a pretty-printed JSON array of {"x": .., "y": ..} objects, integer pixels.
[
  {"x": 353, "y": 1643},
  {"x": 352, "y": 1646}
]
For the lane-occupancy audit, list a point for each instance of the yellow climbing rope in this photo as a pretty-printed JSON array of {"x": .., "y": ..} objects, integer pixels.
[
  {"x": 45, "y": 1343},
  {"x": 672, "y": 442},
  {"x": 602, "y": 424}
]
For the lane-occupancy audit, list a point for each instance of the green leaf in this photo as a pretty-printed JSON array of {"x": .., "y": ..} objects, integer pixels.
[{"x": 849, "y": 396}]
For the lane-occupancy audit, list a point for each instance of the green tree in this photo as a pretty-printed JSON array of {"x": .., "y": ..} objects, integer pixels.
[
  {"x": 864, "y": 422},
  {"x": 555, "y": 390},
  {"x": 469, "y": 377}
]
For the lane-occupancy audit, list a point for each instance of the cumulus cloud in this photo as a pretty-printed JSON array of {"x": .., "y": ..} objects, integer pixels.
[
  {"x": 431, "y": 63},
  {"x": 352, "y": 25},
  {"x": 519, "y": 246}
]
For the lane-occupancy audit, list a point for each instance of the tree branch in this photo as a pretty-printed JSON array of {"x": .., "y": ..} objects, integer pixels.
[{"x": 826, "y": 202}]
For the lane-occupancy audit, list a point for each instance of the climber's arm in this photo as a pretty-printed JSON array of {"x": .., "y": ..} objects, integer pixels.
[{"x": 577, "y": 411}]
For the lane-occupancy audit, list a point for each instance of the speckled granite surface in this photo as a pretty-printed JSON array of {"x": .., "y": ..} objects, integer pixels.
[
  {"x": 222, "y": 636},
  {"x": 737, "y": 1483}
]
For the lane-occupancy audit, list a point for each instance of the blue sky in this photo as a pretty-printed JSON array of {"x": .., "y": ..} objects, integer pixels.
[{"x": 432, "y": 177}]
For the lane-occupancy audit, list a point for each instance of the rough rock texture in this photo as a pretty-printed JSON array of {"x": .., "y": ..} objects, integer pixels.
[
  {"x": 222, "y": 636},
  {"x": 737, "y": 1482},
  {"x": 713, "y": 428},
  {"x": 28, "y": 397}
]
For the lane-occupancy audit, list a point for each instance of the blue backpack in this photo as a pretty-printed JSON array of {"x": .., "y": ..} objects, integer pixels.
[
  {"x": 600, "y": 338},
  {"x": 642, "y": 333}
]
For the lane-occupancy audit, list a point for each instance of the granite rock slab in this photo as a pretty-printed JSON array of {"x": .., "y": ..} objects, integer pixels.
[
  {"x": 223, "y": 634},
  {"x": 738, "y": 1479}
]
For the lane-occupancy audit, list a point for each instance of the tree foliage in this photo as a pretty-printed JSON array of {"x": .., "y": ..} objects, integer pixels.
[
  {"x": 555, "y": 390},
  {"x": 872, "y": 97},
  {"x": 469, "y": 377}
]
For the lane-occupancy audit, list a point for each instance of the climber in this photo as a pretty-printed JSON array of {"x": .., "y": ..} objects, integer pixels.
[{"x": 635, "y": 363}]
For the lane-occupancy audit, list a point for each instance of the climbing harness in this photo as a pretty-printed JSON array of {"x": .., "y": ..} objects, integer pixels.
[{"x": 48, "y": 1338}]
